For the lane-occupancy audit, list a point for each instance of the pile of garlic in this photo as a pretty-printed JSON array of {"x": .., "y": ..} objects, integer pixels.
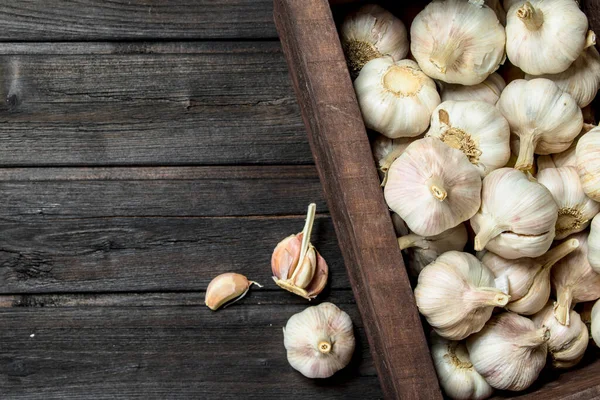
[{"x": 501, "y": 247}]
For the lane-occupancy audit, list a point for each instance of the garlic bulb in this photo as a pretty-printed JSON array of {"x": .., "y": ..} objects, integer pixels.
[
  {"x": 544, "y": 117},
  {"x": 456, "y": 294},
  {"x": 567, "y": 344},
  {"x": 433, "y": 187},
  {"x": 477, "y": 129},
  {"x": 458, "y": 41},
  {"x": 509, "y": 352},
  {"x": 496, "y": 5},
  {"x": 319, "y": 340},
  {"x": 488, "y": 90},
  {"x": 422, "y": 251},
  {"x": 574, "y": 280},
  {"x": 545, "y": 37},
  {"x": 565, "y": 158},
  {"x": 372, "y": 32},
  {"x": 455, "y": 371},
  {"x": 528, "y": 278},
  {"x": 594, "y": 245},
  {"x": 575, "y": 209},
  {"x": 582, "y": 79},
  {"x": 588, "y": 163},
  {"x": 595, "y": 328},
  {"x": 226, "y": 289},
  {"x": 386, "y": 151},
  {"x": 396, "y": 98},
  {"x": 517, "y": 216}
]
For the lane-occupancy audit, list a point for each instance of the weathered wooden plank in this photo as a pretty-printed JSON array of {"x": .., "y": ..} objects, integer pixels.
[
  {"x": 51, "y": 20},
  {"x": 148, "y": 104}
]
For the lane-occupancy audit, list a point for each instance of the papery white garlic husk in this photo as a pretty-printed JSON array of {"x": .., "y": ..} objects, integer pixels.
[
  {"x": 567, "y": 344},
  {"x": 517, "y": 215},
  {"x": 456, "y": 294},
  {"x": 396, "y": 98},
  {"x": 372, "y": 32},
  {"x": 421, "y": 250},
  {"x": 456, "y": 373},
  {"x": 575, "y": 209},
  {"x": 582, "y": 79},
  {"x": 488, "y": 90},
  {"x": 386, "y": 151},
  {"x": 545, "y": 37},
  {"x": 319, "y": 340},
  {"x": 458, "y": 41},
  {"x": 509, "y": 352},
  {"x": 545, "y": 118},
  {"x": 573, "y": 280},
  {"x": 594, "y": 244},
  {"x": 528, "y": 278},
  {"x": 595, "y": 326},
  {"x": 433, "y": 187},
  {"x": 588, "y": 163},
  {"x": 477, "y": 129}
]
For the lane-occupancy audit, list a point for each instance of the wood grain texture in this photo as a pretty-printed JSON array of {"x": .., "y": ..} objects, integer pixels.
[
  {"x": 179, "y": 103},
  {"x": 52, "y": 20},
  {"x": 342, "y": 154}
]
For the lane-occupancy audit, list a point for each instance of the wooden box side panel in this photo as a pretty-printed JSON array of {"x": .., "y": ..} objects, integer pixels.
[{"x": 363, "y": 226}]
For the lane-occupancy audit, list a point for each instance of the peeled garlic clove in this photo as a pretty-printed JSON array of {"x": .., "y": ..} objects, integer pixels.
[
  {"x": 567, "y": 344},
  {"x": 372, "y": 32},
  {"x": 455, "y": 371},
  {"x": 575, "y": 209},
  {"x": 457, "y": 41},
  {"x": 588, "y": 163},
  {"x": 594, "y": 245},
  {"x": 509, "y": 352},
  {"x": 319, "y": 340},
  {"x": 545, "y": 118},
  {"x": 422, "y": 250},
  {"x": 226, "y": 287},
  {"x": 595, "y": 326},
  {"x": 488, "y": 90},
  {"x": 456, "y": 295},
  {"x": 545, "y": 37},
  {"x": 517, "y": 215},
  {"x": 396, "y": 98},
  {"x": 528, "y": 278},
  {"x": 433, "y": 187},
  {"x": 477, "y": 129},
  {"x": 573, "y": 280}
]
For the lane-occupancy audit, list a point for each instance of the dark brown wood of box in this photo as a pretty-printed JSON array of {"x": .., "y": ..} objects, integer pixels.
[{"x": 341, "y": 151}]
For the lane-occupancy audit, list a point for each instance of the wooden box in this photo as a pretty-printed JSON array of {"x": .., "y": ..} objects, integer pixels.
[{"x": 342, "y": 153}]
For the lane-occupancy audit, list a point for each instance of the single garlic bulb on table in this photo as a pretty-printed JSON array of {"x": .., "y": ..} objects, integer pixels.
[
  {"x": 319, "y": 340},
  {"x": 567, "y": 344},
  {"x": 517, "y": 216},
  {"x": 582, "y": 79},
  {"x": 488, "y": 90},
  {"x": 477, "y": 129},
  {"x": 575, "y": 209},
  {"x": 528, "y": 278},
  {"x": 372, "y": 32},
  {"x": 587, "y": 155},
  {"x": 433, "y": 187},
  {"x": 544, "y": 117},
  {"x": 396, "y": 98},
  {"x": 573, "y": 280},
  {"x": 545, "y": 37},
  {"x": 422, "y": 250},
  {"x": 509, "y": 352},
  {"x": 455, "y": 371},
  {"x": 595, "y": 326},
  {"x": 456, "y": 295}
]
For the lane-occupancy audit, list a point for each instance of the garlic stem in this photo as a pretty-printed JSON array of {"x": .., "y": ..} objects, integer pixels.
[
  {"x": 436, "y": 187},
  {"x": 487, "y": 232},
  {"x": 484, "y": 296},
  {"x": 409, "y": 240},
  {"x": 310, "y": 219},
  {"x": 324, "y": 346},
  {"x": 535, "y": 338},
  {"x": 559, "y": 252},
  {"x": 441, "y": 58},
  {"x": 590, "y": 39},
  {"x": 562, "y": 307},
  {"x": 531, "y": 17},
  {"x": 526, "y": 150}
]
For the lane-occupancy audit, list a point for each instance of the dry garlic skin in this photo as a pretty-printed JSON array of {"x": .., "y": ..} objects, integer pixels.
[
  {"x": 457, "y": 41},
  {"x": 595, "y": 327},
  {"x": 396, "y": 98},
  {"x": 386, "y": 151},
  {"x": 488, "y": 90},
  {"x": 594, "y": 245},
  {"x": 456, "y": 295},
  {"x": 588, "y": 163},
  {"x": 372, "y": 32},
  {"x": 545, "y": 37},
  {"x": 545, "y": 118},
  {"x": 517, "y": 217},
  {"x": 477, "y": 129},
  {"x": 433, "y": 187},
  {"x": 319, "y": 340}
]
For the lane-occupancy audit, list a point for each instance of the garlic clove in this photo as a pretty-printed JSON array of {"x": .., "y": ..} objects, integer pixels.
[
  {"x": 588, "y": 163},
  {"x": 286, "y": 256},
  {"x": 509, "y": 352},
  {"x": 487, "y": 91},
  {"x": 595, "y": 325},
  {"x": 226, "y": 288},
  {"x": 432, "y": 187},
  {"x": 594, "y": 245},
  {"x": 319, "y": 340}
]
